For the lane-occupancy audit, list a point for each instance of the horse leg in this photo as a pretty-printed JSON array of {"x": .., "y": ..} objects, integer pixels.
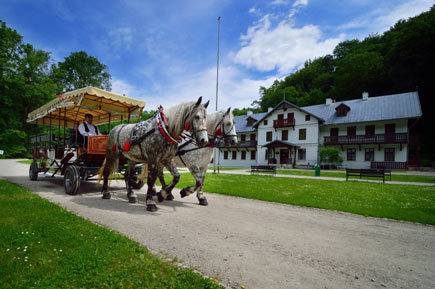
[
  {"x": 200, "y": 194},
  {"x": 152, "y": 176},
  {"x": 167, "y": 190},
  {"x": 194, "y": 170},
  {"x": 163, "y": 194},
  {"x": 130, "y": 181}
]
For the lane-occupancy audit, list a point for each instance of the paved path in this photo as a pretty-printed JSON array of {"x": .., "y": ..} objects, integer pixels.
[
  {"x": 259, "y": 244},
  {"x": 246, "y": 172}
]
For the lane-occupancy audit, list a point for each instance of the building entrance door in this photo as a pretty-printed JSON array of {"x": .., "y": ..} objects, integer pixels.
[{"x": 284, "y": 157}]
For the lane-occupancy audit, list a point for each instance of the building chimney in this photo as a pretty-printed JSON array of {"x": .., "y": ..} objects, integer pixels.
[
  {"x": 249, "y": 112},
  {"x": 269, "y": 109},
  {"x": 328, "y": 101},
  {"x": 365, "y": 95}
]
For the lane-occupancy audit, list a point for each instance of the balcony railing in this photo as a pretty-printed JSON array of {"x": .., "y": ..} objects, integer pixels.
[
  {"x": 287, "y": 122},
  {"x": 245, "y": 144},
  {"x": 389, "y": 165},
  {"x": 242, "y": 144},
  {"x": 393, "y": 138}
]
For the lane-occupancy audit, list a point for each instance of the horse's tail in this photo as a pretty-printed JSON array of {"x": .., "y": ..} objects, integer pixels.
[
  {"x": 109, "y": 163},
  {"x": 144, "y": 173},
  {"x": 101, "y": 170}
]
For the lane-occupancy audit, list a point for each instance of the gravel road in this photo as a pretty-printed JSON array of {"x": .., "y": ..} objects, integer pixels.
[{"x": 258, "y": 244}]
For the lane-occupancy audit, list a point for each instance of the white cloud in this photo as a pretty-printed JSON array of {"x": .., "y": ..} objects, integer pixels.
[
  {"x": 235, "y": 89},
  {"x": 279, "y": 2},
  {"x": 283, "y": 47},
  {"x": 300, "y": 3},
  {"x": 382, "y": 18},
  {"x": 121, "y": 38}
]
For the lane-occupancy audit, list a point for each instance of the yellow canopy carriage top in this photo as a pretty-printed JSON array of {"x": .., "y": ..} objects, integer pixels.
[{"x": 71, "y": 107}]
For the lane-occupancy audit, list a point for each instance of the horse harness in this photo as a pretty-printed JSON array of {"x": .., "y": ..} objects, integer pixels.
[{"x": 139, "y": 133}]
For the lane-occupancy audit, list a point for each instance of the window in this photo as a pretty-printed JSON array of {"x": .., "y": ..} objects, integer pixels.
[
  {"x": 269, "y": 136},
  {"x": 265, "y": 122},
  {"x": 390, "y": 128},
  {"x": 334, "y": 131},
  {"x": 280, "y": 116},
  {"x": 243, "y": 155},
  {"x": 234, "y": 156},
  {"x": 389, "y": 154},
  {"x": 303, "y": 134},
  {"x": 351, "y": 130},
  {"x": 291, "y": 115},
  {"x": 307, "y": 117},
  {"x": 253, "y": 153},
  {"x": 225, "y": 155},
  {"x": 369, "y": 155},
  {"x": 302, "y": 154},
  {"x": 370, "y": 129},
  {"x": 351, "y": 154},
  {"x": 243, "y": 137},
  {"x": 252, "y": 137},
  {"x": 284, "y": 135}
]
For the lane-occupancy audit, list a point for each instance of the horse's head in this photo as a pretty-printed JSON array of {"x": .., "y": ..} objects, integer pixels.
[
  {"x": 196, "y": 122},
  {"x": 228, "y": 128}
]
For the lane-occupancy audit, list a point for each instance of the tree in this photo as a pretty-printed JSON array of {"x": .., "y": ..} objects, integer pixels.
[
  {"x": 330, "y": 156},
  {"x": 80, "y": 70}
]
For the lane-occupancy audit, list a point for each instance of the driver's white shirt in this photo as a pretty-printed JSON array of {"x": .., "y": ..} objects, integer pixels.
[{"x": 93, "y": 130}]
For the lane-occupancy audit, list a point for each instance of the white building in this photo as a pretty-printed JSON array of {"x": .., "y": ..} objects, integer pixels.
[{"x": 371, "y": 132}]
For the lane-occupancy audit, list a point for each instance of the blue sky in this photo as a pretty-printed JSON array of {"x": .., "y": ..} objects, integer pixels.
[{"x": 164, "y": 52}]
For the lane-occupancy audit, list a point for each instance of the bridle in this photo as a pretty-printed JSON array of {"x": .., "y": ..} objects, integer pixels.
[
  {"x": 220, "y": 131},
  {"x": 189, "y": 124}
]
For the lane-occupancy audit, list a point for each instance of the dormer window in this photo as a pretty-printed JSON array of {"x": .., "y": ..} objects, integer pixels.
[
  {"x": 250, "y": 121},
  {"x": 342, "y": 110}
]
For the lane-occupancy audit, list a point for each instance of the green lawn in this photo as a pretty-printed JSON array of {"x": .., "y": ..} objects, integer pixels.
[
  {"x": 394, "y": 177},
  {"x": 401, "y": 202},
  {"x": 45, "y": 246}
]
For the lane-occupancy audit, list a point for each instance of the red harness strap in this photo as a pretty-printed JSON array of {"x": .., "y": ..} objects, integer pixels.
[{"x": 164, "y": 128}]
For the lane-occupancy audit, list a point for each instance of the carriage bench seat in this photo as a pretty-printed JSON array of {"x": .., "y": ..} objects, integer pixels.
[
  {"x": 375, "y": 173},
  {"x": 269, "y": 169}
]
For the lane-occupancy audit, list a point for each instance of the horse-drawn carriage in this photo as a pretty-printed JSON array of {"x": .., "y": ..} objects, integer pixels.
[{"x": 77, "y": 159}]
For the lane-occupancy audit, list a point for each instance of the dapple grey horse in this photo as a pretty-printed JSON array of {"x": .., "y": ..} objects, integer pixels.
[
  {"x": 220, "y": 125},
  {"x": 155, "y": 142}
]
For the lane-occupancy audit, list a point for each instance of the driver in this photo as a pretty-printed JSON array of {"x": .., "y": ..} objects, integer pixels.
[{"x": 87, "y": 128}]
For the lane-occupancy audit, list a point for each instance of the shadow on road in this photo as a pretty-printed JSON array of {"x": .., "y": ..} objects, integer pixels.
[{"x": 52, "y": 188}]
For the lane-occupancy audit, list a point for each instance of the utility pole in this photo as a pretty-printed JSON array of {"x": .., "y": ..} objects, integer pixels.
[{"x": 215, "y": 158}]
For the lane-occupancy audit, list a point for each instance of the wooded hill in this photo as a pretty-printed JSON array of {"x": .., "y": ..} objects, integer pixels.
[{"x": 400, "y": 60}]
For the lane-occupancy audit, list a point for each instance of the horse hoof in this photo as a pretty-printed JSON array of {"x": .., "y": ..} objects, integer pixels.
[
  {"x": 160, "y": 197},
  {"x": 203, "y": 202},
  {"x": 151, "y": 208},
  {"x": 106, "y": 196},
  {"x": 132, "y": 200},
  {"x": 183, "y": 193},
  {"x": 170, "y": 197}
]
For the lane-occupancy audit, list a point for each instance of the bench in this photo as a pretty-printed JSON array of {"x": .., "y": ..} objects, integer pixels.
[
  {"x": 375, "y": 173},
  {"x": 269, "y": 169}
]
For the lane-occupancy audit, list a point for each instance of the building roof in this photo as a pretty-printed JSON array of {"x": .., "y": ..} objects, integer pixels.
[
  {"x": 288, "y": 104},
  {"x": 242, "y": 123},
  {"x": 394, "y": 106}
]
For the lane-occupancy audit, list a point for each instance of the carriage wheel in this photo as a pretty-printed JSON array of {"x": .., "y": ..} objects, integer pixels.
[
  {"x": 33, "y": 171},
  {"x": 72, "y": 180}
]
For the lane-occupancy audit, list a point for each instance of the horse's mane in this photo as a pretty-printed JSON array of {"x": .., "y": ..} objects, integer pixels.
[{"x": 176, "y": 114}]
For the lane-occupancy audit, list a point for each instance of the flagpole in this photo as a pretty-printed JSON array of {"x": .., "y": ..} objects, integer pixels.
[{"x": 215, "y": 160}]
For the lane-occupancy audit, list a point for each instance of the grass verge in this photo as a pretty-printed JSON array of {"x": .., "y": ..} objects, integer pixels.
[
  {"x": 45, "y": 246},
  {"x": 400, "y": 202},
  {"x": 394, "y": 177}
]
